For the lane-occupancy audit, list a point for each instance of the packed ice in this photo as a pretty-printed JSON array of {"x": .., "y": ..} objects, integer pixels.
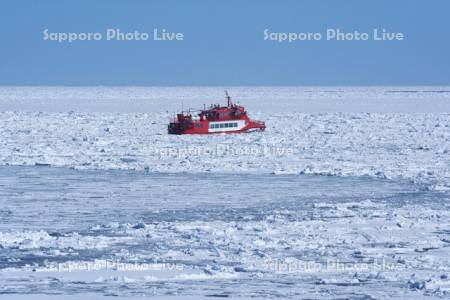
[{"x": 345, "y": 195}]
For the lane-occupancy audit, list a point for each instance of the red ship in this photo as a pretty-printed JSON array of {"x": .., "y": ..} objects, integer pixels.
[{"x": 217, "y": 119}]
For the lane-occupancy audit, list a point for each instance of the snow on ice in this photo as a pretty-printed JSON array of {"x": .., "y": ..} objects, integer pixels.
[{"x": 97, "y": 193}]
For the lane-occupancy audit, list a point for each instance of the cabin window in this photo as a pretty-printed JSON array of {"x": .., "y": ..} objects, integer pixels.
[
  {"x": 198, "y": 125},
  {"x": 219, "y": 125}
]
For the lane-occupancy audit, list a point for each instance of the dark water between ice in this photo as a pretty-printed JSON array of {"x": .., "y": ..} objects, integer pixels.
[
  {"x": 61, "y": 202},
  {"x": 59, "y": 199}
]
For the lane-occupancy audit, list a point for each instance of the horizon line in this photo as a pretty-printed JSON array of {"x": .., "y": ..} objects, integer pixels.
[{"x": 221, "y": 86}]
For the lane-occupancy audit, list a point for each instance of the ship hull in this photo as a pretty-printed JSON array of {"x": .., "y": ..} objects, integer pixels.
[
  {"x": 217, "y": 119},
  {"x": 205, "y": 127}
]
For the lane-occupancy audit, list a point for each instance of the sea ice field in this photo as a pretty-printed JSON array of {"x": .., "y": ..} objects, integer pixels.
[{"x": 344, "y": 196}]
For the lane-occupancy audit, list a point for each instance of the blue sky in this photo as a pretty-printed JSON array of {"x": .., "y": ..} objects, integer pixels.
[{"x": 223, "y": 43}]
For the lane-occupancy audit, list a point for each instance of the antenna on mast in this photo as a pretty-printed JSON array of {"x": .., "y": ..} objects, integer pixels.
[{"x": 229, "y": 103}]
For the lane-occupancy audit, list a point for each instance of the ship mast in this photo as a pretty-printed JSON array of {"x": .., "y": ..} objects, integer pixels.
[{"x": 229, "y": 103}]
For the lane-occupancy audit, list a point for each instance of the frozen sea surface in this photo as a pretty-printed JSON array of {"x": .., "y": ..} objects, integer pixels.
[
  {"x": 344, "y": 196},
  {"x": 65, "y": 231},
  {"x": 414, "y": 147},
  {"x": 416, "y": 99},
  {"x": 384, "y": 132}
]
